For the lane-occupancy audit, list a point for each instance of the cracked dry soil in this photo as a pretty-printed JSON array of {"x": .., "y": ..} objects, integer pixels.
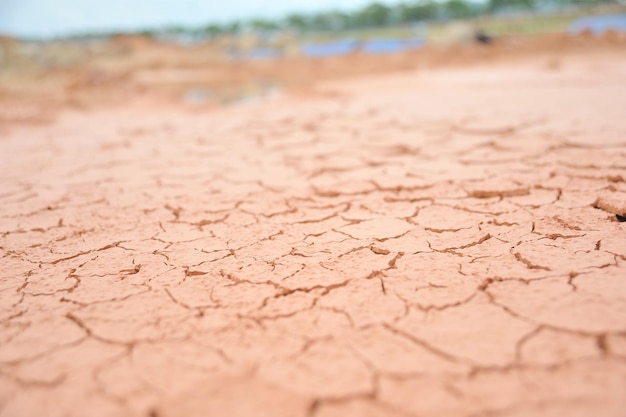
[{"x": 420, "y": 244}]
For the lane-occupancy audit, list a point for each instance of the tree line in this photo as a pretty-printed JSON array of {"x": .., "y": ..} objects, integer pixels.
[{"x": 380, "y": 15}]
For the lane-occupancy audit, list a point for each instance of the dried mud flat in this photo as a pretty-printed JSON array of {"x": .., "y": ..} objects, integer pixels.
[{"x": 440, "y": 243}]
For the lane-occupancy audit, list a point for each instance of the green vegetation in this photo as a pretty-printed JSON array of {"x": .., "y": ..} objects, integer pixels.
[
  {"x": 528, "y": 26},
  {"x": 378, "y": 19},
  {"x": 379, "y": 15}
]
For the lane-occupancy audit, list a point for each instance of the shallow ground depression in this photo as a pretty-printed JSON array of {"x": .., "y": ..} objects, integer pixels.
[{"x": 423, "y": 244}]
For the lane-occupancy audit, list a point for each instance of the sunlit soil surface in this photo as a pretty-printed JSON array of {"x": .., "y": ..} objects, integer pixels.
[{"x": 437, "y": 241}]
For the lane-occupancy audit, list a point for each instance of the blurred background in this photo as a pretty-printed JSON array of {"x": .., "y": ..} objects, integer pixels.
[{"x": 206, "y": 54}]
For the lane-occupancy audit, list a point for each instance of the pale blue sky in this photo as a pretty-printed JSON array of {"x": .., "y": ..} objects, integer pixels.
[{"x": 57, "y": 17}]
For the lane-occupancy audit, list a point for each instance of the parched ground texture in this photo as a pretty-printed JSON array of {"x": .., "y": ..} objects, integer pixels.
[{"x": 417, "y": 244}]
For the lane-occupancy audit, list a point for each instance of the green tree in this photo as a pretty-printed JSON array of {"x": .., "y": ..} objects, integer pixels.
[
  {"x": 376, "y": 14},
  {"x": 322, "y": 21},
  {"x": 495, "y": 5},
  {"x": 456, "y": 8},
  {"x": 263, "y": 24},
  {"x": 233, "y": 27},
  {"x": 427, "y": 9},
  {"x": 213, "y": 30},
  {"x": 297, "y": 21}
]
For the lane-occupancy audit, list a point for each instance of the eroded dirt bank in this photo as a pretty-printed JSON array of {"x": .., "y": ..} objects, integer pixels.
[{"x": 416, "y": 244}]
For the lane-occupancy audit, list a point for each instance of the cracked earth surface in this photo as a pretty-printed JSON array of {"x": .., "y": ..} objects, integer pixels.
[{"x": 416, "y": 244}]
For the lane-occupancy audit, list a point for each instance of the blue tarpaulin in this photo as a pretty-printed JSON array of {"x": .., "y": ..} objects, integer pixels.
[
  {"x": 598, "y": 25},
  {"x": 384, "y": 46},
  {"x": 318, "y": 50},
  {"x": 346, "y": 46}
]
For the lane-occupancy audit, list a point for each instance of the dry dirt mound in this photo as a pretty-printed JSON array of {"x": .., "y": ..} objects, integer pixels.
[{"x": 427, "y": 244}]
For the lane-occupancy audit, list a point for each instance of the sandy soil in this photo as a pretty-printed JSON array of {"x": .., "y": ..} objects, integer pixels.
[{"x": 421, "y": 243}]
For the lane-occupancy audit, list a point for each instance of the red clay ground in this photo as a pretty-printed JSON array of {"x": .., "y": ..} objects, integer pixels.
[{"x": 426, "y": 243}]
